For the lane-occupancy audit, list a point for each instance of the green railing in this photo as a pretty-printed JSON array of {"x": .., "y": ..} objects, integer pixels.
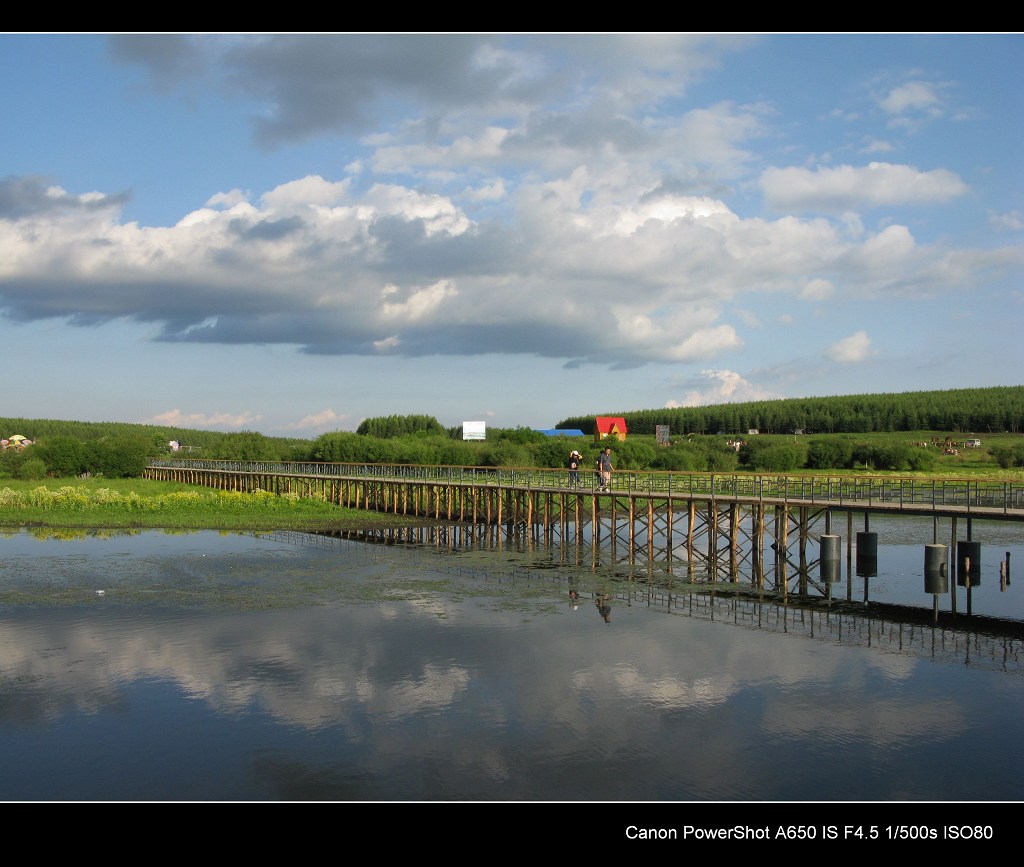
[{"x": 1006, "y": 496}]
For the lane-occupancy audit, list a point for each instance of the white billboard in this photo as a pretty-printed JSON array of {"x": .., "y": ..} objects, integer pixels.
[{"x": 474, "y": 430}]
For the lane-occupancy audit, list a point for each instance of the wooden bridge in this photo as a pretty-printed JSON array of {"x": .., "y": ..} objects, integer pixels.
[
  {"x": 768, "y": 526},
  {"x": 436, "y": 491}
]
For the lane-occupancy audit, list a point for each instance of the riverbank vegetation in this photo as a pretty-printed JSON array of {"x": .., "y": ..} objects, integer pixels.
[
  {"x": 141, "y": 503},
  {"x": 962, "y": 431}
]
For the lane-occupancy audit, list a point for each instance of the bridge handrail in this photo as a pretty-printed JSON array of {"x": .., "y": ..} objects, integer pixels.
[{"x": 1004, "y": 494}]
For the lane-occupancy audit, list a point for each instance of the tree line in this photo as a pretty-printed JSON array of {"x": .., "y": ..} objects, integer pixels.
[
  {"x": 982, "y": 410},
  {"x": 71, "y": 448}
]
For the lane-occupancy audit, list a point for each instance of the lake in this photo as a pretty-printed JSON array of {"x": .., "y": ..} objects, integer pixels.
[{"x": 204, "y": 666}]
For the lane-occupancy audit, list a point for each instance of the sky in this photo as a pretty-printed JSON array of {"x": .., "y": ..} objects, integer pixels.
[{"x": 289, "y": 233}]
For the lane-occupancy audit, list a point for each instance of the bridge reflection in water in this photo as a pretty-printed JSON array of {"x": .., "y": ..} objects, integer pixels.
[{"x": 979, "y": 642}]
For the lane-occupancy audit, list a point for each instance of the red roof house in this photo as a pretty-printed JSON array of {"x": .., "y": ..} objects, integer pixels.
[{"x": 609, "y": 426}]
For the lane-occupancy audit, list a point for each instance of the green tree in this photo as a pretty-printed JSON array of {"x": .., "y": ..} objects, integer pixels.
[
  {"x": 829, "y": 454},
  {"x": 246, "y": 445},
  {"x": 386, "y": 427},
  {"x": 118, "y": 457},
  {"x": 772, "y": 455},
  {"x": 506, "y": 453},
  {"x": 64, "y": 456}
]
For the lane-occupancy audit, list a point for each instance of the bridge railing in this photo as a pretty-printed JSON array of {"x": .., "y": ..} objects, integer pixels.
[{"x": 1004, "y": 495}]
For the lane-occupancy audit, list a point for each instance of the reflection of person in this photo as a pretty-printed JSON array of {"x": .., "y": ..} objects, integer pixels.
[
  {"x": 604, "y": 607},
  {"x": 605, "y": 463},
  {"x": 575, "y": 459}
]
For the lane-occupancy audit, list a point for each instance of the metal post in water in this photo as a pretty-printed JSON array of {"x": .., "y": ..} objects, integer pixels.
[
  {"x": 830, "y": 546},
  {"x": 867, "y": 557},
  {"x": 936, "y": 576},
  {"x": 849, "y": 556},
  {"x": 953, "y": 567}
]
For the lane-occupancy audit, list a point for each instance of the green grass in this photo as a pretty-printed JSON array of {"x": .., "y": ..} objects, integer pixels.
[{"x": 139, "y": 503}]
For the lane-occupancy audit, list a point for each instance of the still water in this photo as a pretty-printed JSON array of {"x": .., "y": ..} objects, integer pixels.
[{"x": 208, "y": 666}]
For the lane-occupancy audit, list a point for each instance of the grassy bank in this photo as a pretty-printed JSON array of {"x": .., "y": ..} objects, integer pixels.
[{"x": 140, "y": 503}]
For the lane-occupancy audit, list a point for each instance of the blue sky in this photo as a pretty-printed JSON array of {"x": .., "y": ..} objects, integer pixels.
[{"x": 290, "y": 233}]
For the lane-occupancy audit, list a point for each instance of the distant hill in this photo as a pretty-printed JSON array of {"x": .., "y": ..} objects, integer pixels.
[{"x": 979, "y": 410}]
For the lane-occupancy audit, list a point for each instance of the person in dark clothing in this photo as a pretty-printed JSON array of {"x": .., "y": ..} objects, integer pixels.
[
  {"x": 575, "y": 459},
  {"x": 606, "y": 469}
]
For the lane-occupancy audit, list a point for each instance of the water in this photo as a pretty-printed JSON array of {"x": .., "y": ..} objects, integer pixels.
[{"x": 208, "y": 666}]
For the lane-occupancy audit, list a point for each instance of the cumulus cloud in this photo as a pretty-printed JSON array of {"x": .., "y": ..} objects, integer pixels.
[
  {"x": 726, "y": 386},
  {"x": 579, "y": 266},
  {"x": 328, "y": 419},
  {"x": 849, "y": 350},
  {"x": 850, "y": 188},
  {"x": 177, "y": 418}
]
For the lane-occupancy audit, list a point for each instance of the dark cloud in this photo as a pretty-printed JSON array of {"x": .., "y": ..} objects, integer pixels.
[
  {"x": 404, "y": 251},
  {"x": 587, "y": 133},
  {"x": 700, "y": 183},
  {"x": 300, "y": 328},
  {"x": 178, "y": 305},
  {"x": 267, "y": 230},
  {"x": 320, "y": 83},
  {"x": 547, "y": 339},
  {"x": 29, "y": 195},
  {"x": 169, "y": 57},
  {"x": 311, "y": 84}
]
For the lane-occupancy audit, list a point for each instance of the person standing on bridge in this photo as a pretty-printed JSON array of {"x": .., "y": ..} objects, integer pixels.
[
  {"x": 606, "y": 469},
  {"x": 575, "y": 459}
]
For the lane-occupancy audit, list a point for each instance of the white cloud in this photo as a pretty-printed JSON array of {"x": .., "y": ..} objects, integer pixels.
[
  {"x": 914, "y": 96},
  {"x": 849, "y": 187},
  {"x": 1010, "y": 220},
  {"x": 227, "y": 200},
  {"x": 338, "y": 269},
  {"x": 310, "y": 191},
  {"x": 435, "y": 213},
  {"x": 419, "y": 302},
  {"x": 490, "y": 192},
  {"x": 321, "y": 421},
  {"x": 818, "y": 290},
  {"x": 727, "y": 386},
  {"x": 877, "y": 146},
  {"x": 176, "y": 418},
  {"x": 852, "y": 349}
]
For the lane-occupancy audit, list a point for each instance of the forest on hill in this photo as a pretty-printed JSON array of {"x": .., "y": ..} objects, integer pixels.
[{"x": 997, "y": 409}]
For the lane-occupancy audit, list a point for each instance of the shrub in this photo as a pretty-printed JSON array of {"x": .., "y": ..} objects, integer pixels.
[
  {"x": 1008, "y": 456},
  {"x": 830, "y": 454},
  {"x": 772, "y": 455},
  {"x": 32, "y": 469}
]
